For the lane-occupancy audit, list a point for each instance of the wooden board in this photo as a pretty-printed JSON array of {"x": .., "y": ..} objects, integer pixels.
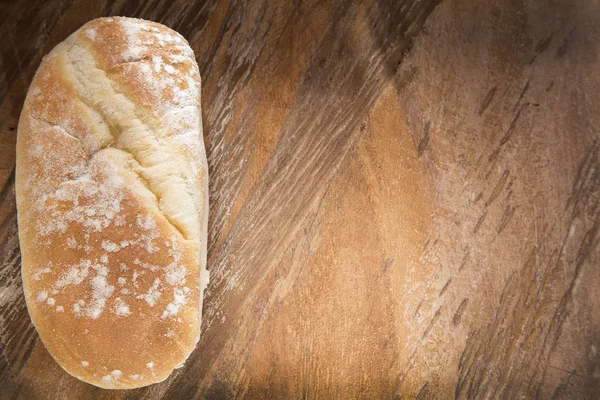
[{"x": 405, "y": 198}]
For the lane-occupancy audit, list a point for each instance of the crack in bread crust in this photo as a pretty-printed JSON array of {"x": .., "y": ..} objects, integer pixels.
[
  {"x": 93, "y": 154},
  {"x": 84, "y": 69}
]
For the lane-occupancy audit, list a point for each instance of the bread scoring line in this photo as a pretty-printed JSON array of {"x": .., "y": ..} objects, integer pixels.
[{"x": 116, "y": 130}]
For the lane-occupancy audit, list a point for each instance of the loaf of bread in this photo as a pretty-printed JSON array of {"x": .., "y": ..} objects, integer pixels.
[{"x": 112, "y": 197}]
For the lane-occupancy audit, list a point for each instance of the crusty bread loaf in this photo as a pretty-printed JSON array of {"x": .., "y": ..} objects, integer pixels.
[{"x": 112, "y": 196}]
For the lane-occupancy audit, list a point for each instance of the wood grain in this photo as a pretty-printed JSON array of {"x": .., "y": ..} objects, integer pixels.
[{"x": 405, "y": 198}]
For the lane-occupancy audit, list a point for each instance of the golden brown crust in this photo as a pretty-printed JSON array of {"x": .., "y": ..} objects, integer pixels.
[{"x": 112, "y": 201}]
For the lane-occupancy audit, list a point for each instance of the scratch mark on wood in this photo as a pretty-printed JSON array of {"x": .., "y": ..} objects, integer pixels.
[
  {"x": 464, "y": 260},
  {"x": 436, "y": 316},
  {"x": 459, "y": 312},
  {"x": 423, "y": 391},
  {"x": 479, "y": 222},
  {"x": 426, "y": 245},
  {"x": 445, "y": 287},
  {"x": 387, "y": 263},
  {"x": 492, "y": 161},
  {"x": 511, "y": 128},
  {"x": 521, "y": 95},
  {"x": 584, "y": 178},
  {"x": 541, "y": 46},
  {"x": 589, "y": 241},
  {"x": 487, "y": 100},
  {"x": 423, "y": 142},
  {"x": 498, "y": 189},
  {"x": 516, "y": 114},
  {"x": 418, "y": 308},
  {"x": 506, "y": 217}
]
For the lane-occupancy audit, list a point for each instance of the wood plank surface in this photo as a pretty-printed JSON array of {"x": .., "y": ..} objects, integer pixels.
[{"x": 405, "y": 198}]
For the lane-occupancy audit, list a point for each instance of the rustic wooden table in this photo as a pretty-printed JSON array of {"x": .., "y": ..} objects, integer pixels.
[{"x": 405, "y": 198}]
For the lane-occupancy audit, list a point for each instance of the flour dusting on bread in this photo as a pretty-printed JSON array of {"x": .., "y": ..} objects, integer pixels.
[{"x": 112, "y": 199}]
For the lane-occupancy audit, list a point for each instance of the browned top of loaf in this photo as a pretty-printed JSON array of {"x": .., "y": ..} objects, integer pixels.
[{"x": 111, "y": 191}]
